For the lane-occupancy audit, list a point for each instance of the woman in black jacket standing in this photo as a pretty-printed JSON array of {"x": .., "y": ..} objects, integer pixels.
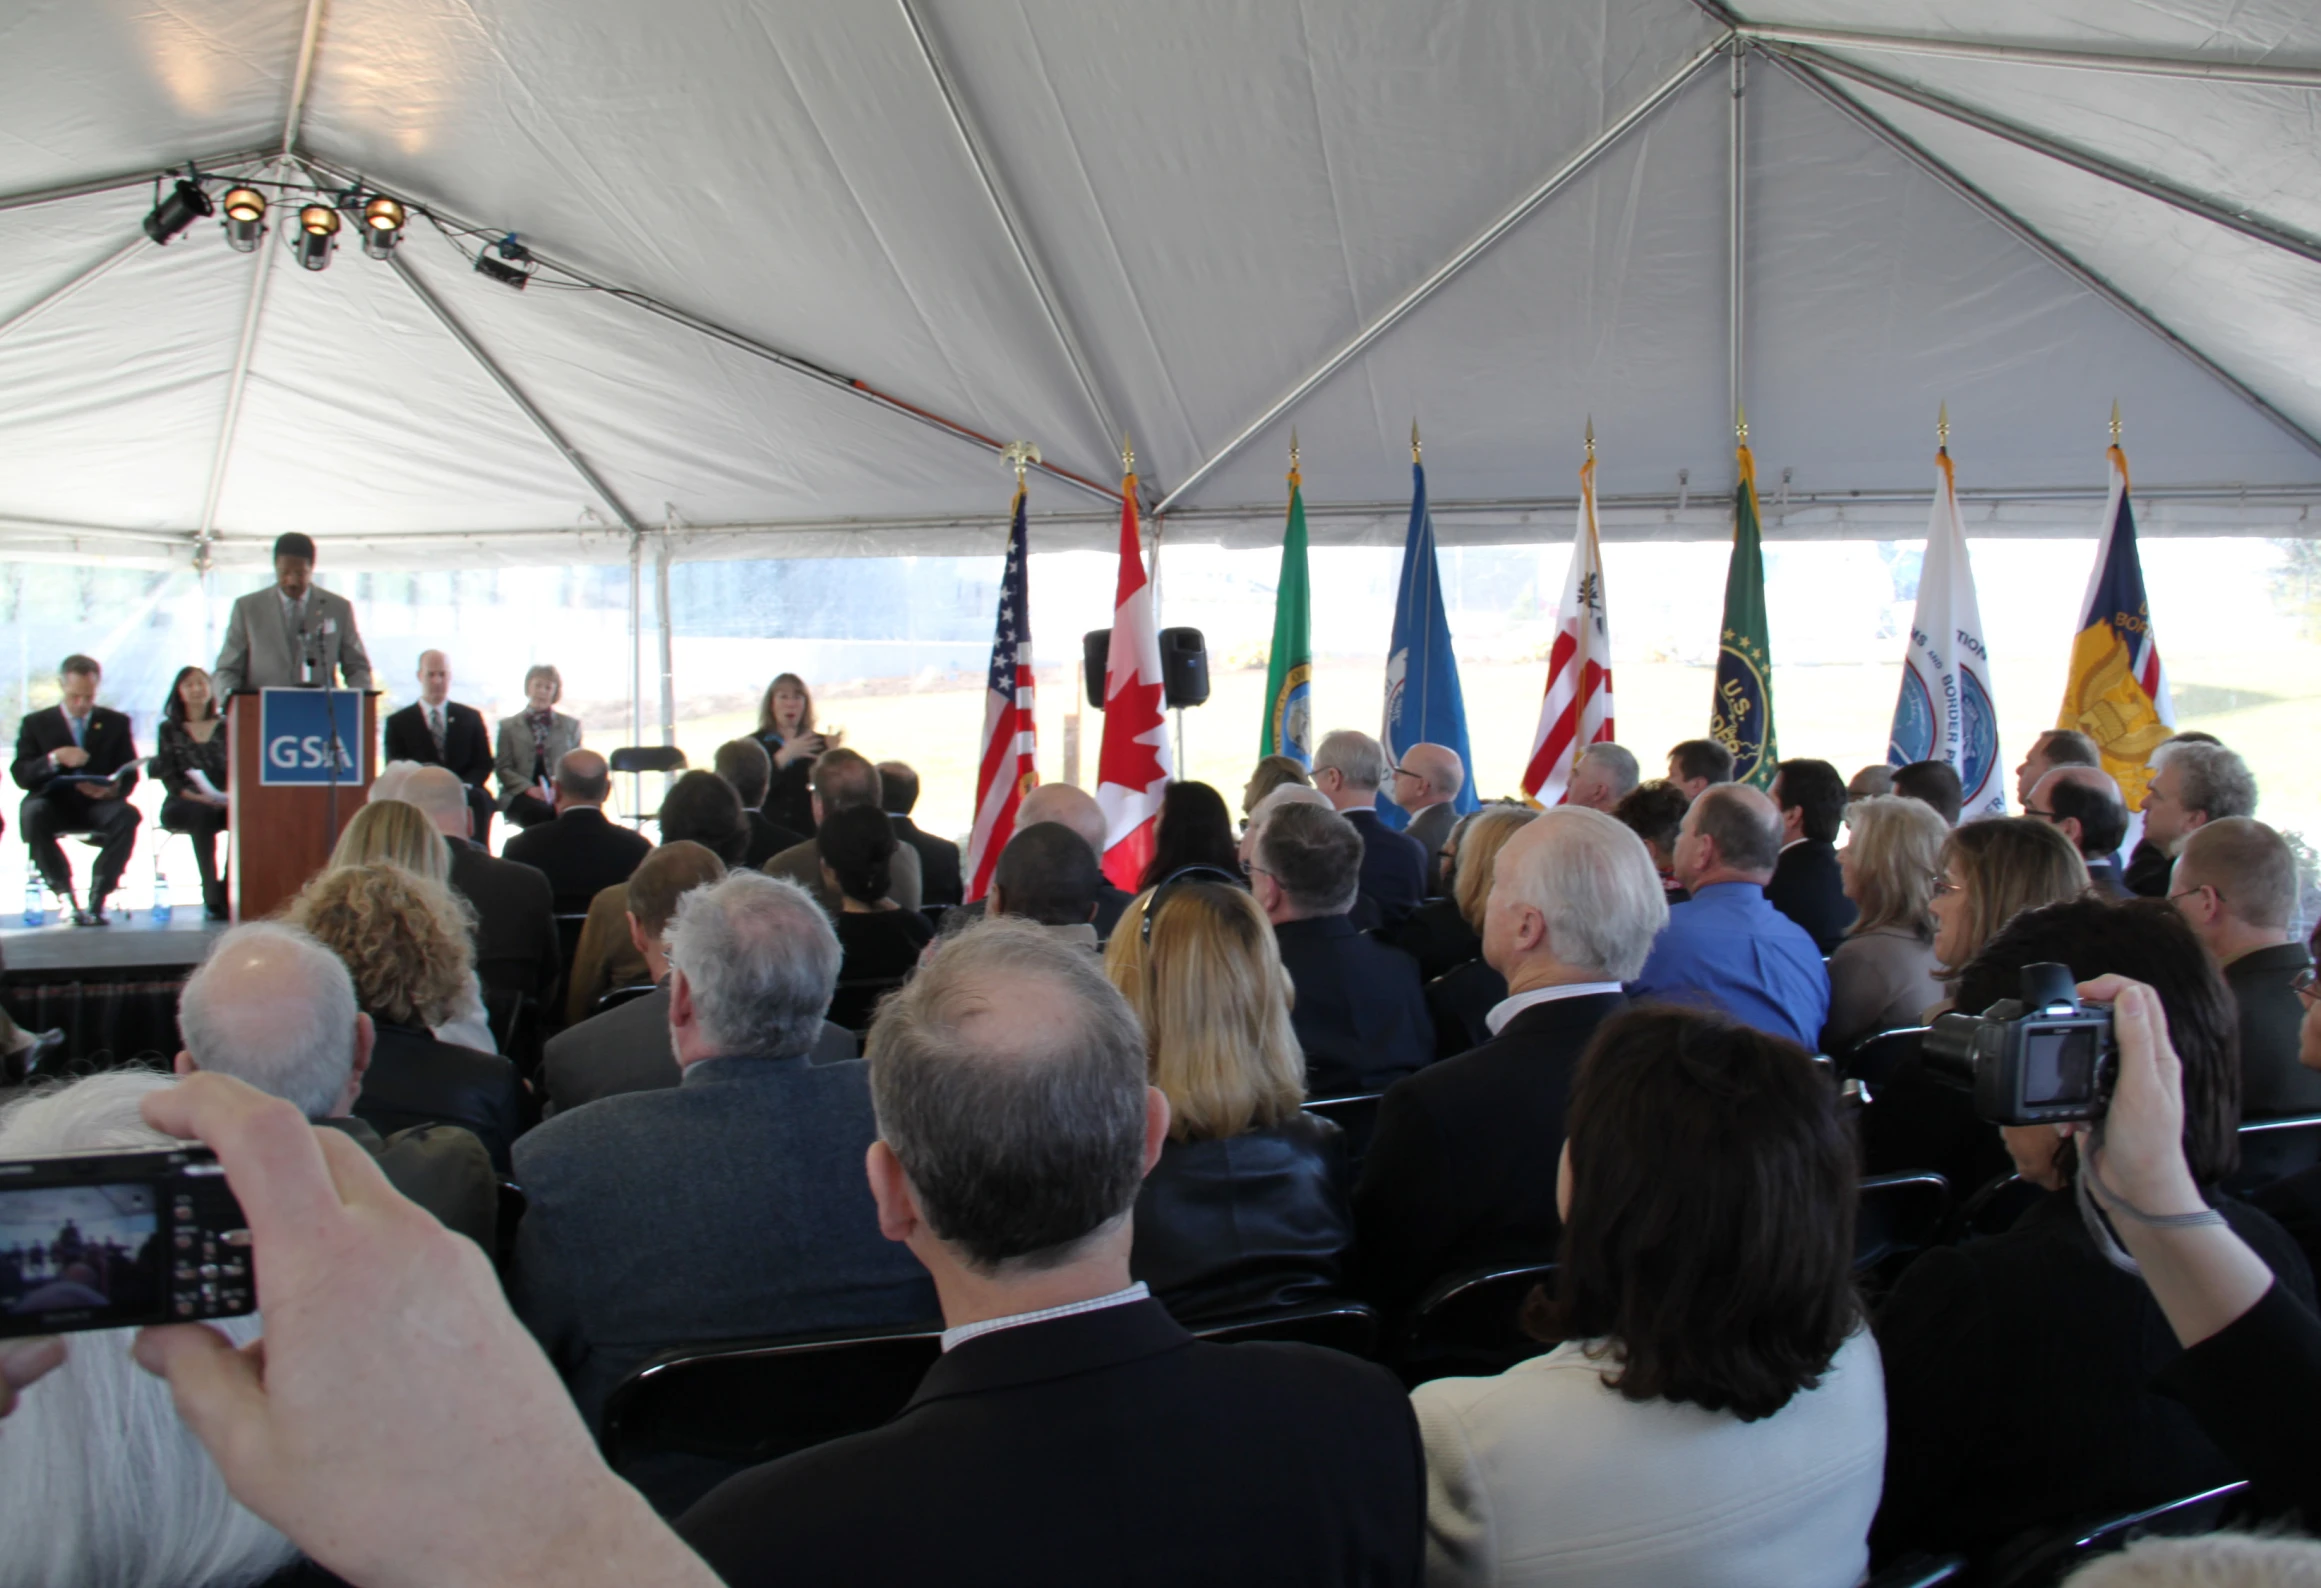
[{"x": 786, "y": 729}]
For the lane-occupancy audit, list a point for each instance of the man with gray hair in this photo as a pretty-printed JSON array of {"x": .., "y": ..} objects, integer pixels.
[
  {"x": 730, "y": 1205},
  {"x": 1360, "y": 1010},
  {"x": 1452, "y": 1180},
  {"x": 1726, "y": 947},
  {"x": 1348, "y": 769},
  {"x": 1605, "y": 774},
  {"x": 273, "y": 1007},
  {"x": 1071, "y": 1425},
  {"x": 516, "y": 952},
  {"x": 2194, "y": 782},
  {"x": 582, "y": 852},
  {"x": 2236, "y": 885}
]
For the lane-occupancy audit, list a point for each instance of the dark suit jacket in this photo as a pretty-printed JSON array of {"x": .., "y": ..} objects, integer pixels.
[
  {"x": 2272, "y": 1082},
  {"x": 1360, "y": 1011},
  {"x": 626, "y": 1049},
  {"x": 1459, "y": 1002},
  {"x": 729, "y": 1206},
  {"x": 109, "y": 743},
  {"x": 515, "y": 929},
  {"x": 467, "y": 743},
  {"x": 2148, "y": 870},
  {"x": 2104, "y": 877},
  {"x": 1393, "y": 872},
  {"x": 2018, "y": 1374},
  {"x": 2255, "y": 1385},
  {"x": 1254, "y": 1221},
  {"x": 767, "y": 838},
  {"x": 1461, "y": 1170},
  {"x": 1807, "y": 888},
  {"x": 1106, "y": 1447},
  {"x": 939, "y": 881},
  {"x": 1438, "y": 937},
  {"x": 581, "y": 853},
  {"x": 416, "y": 1080}
]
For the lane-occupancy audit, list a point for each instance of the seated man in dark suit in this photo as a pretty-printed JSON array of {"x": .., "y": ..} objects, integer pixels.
[
  {"x": 1360, "y": 1010},
  {"x": 626, "y": 1048},
  {"x": 1048, "y": 876},
  {"x": 2236, "y": 884},
  {"x": 745, "y": 764},
  {"x": 436, "y": 730},
  {"x": 1348, "y": 768},
  {"x": 1806, "y": 885},
  {"x": 581, "y": 852},
  {"x": 1072, "y": 1431},
  {"x": 938, "y": 857},
  {"x": 731, "y": 1205},
  {"x": 66, "y": 756},
  {"x": 2084, "y": 804},
  {"x": 273, "y": 1007},
  {"x": 1453, "y": 1180},
  {"x": 515, "y": 917}
]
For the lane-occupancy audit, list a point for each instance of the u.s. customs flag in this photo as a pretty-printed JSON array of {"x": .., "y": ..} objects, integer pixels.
[
  {"x": 1133, "y": 764},
  {"x": 1004, "y": 772},
  {"x": 1577, "y": 709},
  {"x": 1288, "y": 728},
  {"x": 2117, "y": 692},
  {"x": 1945, "y": 711},
  {"x": 1423, "y": 703},
  {"x": 1741, "y": 715}
]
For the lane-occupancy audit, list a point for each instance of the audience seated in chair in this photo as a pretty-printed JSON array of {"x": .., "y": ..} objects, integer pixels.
[
  {"x": 1461, "y": 999},
  {"x": 878, "y": 938},
  {"x": 2236, "y": 884},
  {"x": 2084, "y": 804},
  {"x": 1426, "y": 784},
  {"x": 273, "y": 1007},
  {"x": 2295, "y": 1201},
  {"x": 898, "y": 796},
  {"x": 843, "y": 780},
  {"x": 1194, "y": 829},
  {"x": 1359, "y": 1010},
  {"x": 1076, "y": 811},
  {"x": 700, "y": 808},
  {"x": 2018, "y": 1367},
  {"x": 1015, "y": 1123},
  {"x": 1270, "y": 773},
  {"x": 1349, "y": 768},
  {"x": 1605, "y": 775},
  {"x": 1936, "y": 784},
  {"x": 2195, "y": 780},
  {"x": 1654, "y": 812},
  {"x": 1698, "y": 765},
  {"x": 731, "y": 1205},
  {"x": 2053, "y": 747},
  {"x": 1047, "y": 874},
  {"x": 1882, "y": 976},
  {"x": 404, "y": 940},
  {"x": 1436, "y": 934},
  {"x": 398, "y": 832},
  {"x": 1246, "y": 1209},
  {"x": 516, "y": 950},
  {"x": 1806, "y": 885},
  {"x": 746, "y": 764},
  {"x": 1713, "y": 1412},
  {"x": 581, "y": 852},
  {"x": 1453, "y": 1180}
]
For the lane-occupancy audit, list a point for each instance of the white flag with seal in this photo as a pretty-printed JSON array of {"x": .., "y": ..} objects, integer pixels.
[{"x": 1945, "y": 710}]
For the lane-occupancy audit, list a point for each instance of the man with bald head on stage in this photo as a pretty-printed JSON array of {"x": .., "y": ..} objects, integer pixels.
[
  {"x": 436, "y": 730},
  {"x": 292, "y": 632}
]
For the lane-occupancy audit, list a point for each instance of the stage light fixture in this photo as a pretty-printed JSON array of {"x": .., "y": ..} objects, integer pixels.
[
  {"x": 382, "y": 226},
  {"x": 245, "y": 219},
  {"x": 514, "y": 266},
  {"x": 317, "y": 231},
  {"x": 179, "y": 208}
]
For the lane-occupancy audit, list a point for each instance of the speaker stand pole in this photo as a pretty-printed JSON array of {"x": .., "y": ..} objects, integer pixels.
[{"x": 1180, "y": 742}]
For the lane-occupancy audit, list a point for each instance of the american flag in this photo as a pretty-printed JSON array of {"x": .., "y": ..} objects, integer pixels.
[
  {"x": 1577, "y": 709},
  {"x": 1005, "y": 770}
]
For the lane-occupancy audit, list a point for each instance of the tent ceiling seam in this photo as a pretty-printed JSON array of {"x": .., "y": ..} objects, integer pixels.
[
  {"x": 32, "y": 198},
  {"x": 2139, "y": 64},
  {"x": 262, "y": 268},
  {"x": 56, "y": 295},
  {"x": 302, "y": 77}
]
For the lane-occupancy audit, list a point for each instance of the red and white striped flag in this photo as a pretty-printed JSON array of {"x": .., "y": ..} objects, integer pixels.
[
  {"x": 1004, "y": 772},
  {"x": 1577, "y": 710},
  {"x": 1133, "y": 767}
]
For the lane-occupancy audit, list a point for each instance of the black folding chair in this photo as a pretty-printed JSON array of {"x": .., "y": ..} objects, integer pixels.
[
  {"x": 1874, "y": 1059},
  {"x": 623, "y": 995},
  {"x": 2049, "y": 1561},
  {"x": 1900, "y": 1216},
  {"x": 1347, "y": 1326},
  {"x": 1919, "y": 1571},
  {"x": 1356, "y": 1116},
  {"x": 2274, "y": 1149},
  {"x": 637, "y": 760},
  {"x": 512, "y": 1206},
  {"x": 1472, "y": 1323}
]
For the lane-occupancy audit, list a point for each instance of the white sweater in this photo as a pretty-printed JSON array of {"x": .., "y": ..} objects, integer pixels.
[{"x": 1544, "y": 1475}]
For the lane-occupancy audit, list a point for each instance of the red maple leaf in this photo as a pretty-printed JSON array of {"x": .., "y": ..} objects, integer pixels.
[{"x": 1126, "y": 758}]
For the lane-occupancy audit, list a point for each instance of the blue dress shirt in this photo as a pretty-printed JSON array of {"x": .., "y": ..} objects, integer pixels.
[{"x": 1727, "y": 948}]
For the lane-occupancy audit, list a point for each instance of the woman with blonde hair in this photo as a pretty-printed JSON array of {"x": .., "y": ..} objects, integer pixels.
[
  {"x": 1881, "y": 974},
  {"x": 400, "y": 833},
  {"x": 1461, "y": 997},
  {"x": 1992, "y": 871},
  {"x": 404, "y": 940},
  {"x": 1246, "y": 1209}
]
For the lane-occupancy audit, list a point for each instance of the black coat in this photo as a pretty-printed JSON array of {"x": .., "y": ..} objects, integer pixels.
[
  {"x": 1461, "y": 1169},
  {"x": 790, "y": 796},
  {"x": 109, "y": 742},
  {"x": 2149, "y": 868},
  {"x": 2018, "y": 1373},
  {"x": 467, "y": 741},
  {"x": 416, "y": 1080},
  {"x": 1808, "y": 888},
  {"x": 1360, "y": 1010},
  {"x": 581, "y": 853},
  {"x": 767, "y": 838},
  {"x": 2255, "y": 1386},
  {"x": 1459, "y": 1002},
  {"x": 939, "y": 881},
  {"x": 1105, "y": 1447},
  {"x": 1253, "y": 1221},
  {"x": 2272, "y": 1082},
  {"x": 1394, "y": 872},
  {"x": 1438, "y": 937},
  {"x": 515, "y": 930}
]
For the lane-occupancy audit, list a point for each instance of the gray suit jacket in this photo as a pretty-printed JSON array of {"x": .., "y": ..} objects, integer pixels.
[
  {"x": 627, "y": 1049},
  {"x": 259, "y": 653},
  {"x": 730, "y": 1206},
  {"x": 513, "y": 757},
  {"x": 802, "y": 864}
]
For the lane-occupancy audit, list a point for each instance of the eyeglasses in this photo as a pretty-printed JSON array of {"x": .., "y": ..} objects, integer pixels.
[
  {"x": 1943, "y": 885},
  {"x": 1406, "y": 772},
  {"x": 2306, "y": 984},
  {"x": 2045, "y": 816},
  {"x": 2193, "y": 893}
]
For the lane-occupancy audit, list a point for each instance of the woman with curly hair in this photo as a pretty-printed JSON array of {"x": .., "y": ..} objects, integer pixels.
[
  {"x": 400, "y": 833},
  {"x": 404, "y": 940}
]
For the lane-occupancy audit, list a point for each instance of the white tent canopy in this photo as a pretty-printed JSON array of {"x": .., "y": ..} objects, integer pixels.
[{"x": 805, "y": 267}]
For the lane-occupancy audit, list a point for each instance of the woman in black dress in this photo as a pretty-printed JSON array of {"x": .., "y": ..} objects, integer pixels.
[
  {"x": 193, "y": 740},
  {"x": 786, "y": 729},
  {"x": 879, "y": 939}
]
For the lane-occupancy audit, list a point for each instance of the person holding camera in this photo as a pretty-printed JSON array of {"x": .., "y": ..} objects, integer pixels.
[{"x": 2019, "y": 1367}]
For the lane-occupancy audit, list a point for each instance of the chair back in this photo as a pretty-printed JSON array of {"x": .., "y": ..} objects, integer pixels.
[
  {"x": 1874, "y": 1059},
  {"x": 749, "y": 1401},
  {"x": 647, "y": 758},
  {"x": 1919, "y": 1571},
  {"x": 2274, "y": 1149},
  {"x": 1900, "y": 1216},
  {"x": 1472, "y": 1323},
  {"x": 1356, "y": 1116},
  {"x": 1347, "y": 1326},
  {"x": 568, "y": 927},
  {"x": 2063, "y": 1551},
  {"x": 855, "y": 1000},
  {"x": 512, "y": 1206},
  {"x": 623, "y": 995}
]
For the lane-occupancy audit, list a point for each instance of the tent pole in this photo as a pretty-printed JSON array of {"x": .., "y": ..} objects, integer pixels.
[
  {"x": 636, "y": 666},
  {"x": 1736, "y": 236},
  {"x": 302, "y": 77},
  {"x": 2038, "y": 242},
  {"x": 50, "y": 300},
  {"x": 2024, "y": 55},
  {"x": 261, "y": 272},
  {"x": 2301, "y": 244},
  {"x": 1443, "y": 273},
  {"x": 668, "y": 641},
  {"x": 32, "y": 198}
]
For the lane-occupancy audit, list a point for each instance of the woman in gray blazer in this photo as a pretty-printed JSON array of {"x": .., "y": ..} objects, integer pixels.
[
  {"x": 1883, "y": 975},
  {"x": 530, "y": 744}
]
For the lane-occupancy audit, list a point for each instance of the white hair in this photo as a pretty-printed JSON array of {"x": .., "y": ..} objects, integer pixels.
[
  {"x": 1287, "y": 794},
  {"x": 2218, "y": 1560},
  {"x": 440, "y": 796},
  {"x": 1594, "y": 884},
  {"x": 273, "y": 1007},
  {"x": 388, "y": 785},
  {"x": 1618, "y": 762},
  {"x": 99, "y": 1480},
  {"x": 1354, "y": 756},
  {"x": 761, "y": 960}
]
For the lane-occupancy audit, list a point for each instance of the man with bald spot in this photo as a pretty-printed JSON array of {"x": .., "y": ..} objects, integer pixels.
[
  {"x": 2084, "y": 804},
  {"x": 1726, "y": 948},
  {"x": 2056, "y": 747},
  {"x": 581, "y": 851},
  {"x": 436, "y": 730},
  {"x": 1427, "y": 784},
  {"x": 1068, "y": 806}
]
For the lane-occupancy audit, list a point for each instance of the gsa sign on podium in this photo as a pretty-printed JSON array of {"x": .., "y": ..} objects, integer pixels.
[{"x": 294, "y": 735}]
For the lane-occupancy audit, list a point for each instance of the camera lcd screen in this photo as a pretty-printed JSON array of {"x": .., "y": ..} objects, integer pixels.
[
  {"x": 2059, "y": 1066},
  {"x": 81, "y": 1256}
]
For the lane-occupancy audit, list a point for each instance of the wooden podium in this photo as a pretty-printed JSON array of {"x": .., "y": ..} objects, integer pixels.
[{"x": 284, "y": 831}]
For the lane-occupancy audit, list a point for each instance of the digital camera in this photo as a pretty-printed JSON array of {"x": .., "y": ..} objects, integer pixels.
[
  {"x": 2037, "y": 1059},
  {"x": 111, "y": 1240}
]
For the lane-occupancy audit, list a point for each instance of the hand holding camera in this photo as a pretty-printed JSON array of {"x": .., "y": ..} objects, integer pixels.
[{"x": 2045, "y": 1057}]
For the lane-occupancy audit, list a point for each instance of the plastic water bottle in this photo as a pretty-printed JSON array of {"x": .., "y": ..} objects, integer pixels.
[
  {"x": 160, "y": 894},
  {"x": 35, "y": 908}
]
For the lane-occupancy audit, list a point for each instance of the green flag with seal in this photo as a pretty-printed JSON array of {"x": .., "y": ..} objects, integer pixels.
[
  {"x": 1741, "y": 718},
  {"x": 1288, "y": 728}
]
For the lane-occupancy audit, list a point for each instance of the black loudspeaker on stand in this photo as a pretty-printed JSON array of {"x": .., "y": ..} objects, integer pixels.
[{"x": 1184, "y": 666}]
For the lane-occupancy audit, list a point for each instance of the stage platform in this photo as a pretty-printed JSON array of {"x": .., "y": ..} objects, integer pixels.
[
  {"x": 113, "y": 988},
  {"x": 137, "y": 943}
]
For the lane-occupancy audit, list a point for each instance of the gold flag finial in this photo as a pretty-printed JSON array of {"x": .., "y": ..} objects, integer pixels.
[
  {"x": 1591, "y": 438},
  {"x": 1127, "y": 455},
  {"x": 1414, "y": 441},
  {"x": 1942, "y": 427},
  {"x": 1023, "y": 455},
  {"x": 1741, "y": 424},
  {"x": 2115, "y": 421},
  {"x": 1293, "y": 449}
]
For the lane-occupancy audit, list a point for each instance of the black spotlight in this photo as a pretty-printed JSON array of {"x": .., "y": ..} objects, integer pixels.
[
  {"x": 245, "y": 219},
  {"x": 382, "y": 226},
  {"x": 179, "y": 208},
  {"x": 317, "y": 233}
]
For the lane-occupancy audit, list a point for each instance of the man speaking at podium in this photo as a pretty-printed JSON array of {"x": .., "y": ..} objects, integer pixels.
[{"x": 293, "y": 633}]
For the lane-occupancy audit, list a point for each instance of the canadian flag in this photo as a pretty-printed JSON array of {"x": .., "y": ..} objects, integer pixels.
[
  {"x": 1132, "y": 768},
  {"x": 1577, "y": 710}
]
